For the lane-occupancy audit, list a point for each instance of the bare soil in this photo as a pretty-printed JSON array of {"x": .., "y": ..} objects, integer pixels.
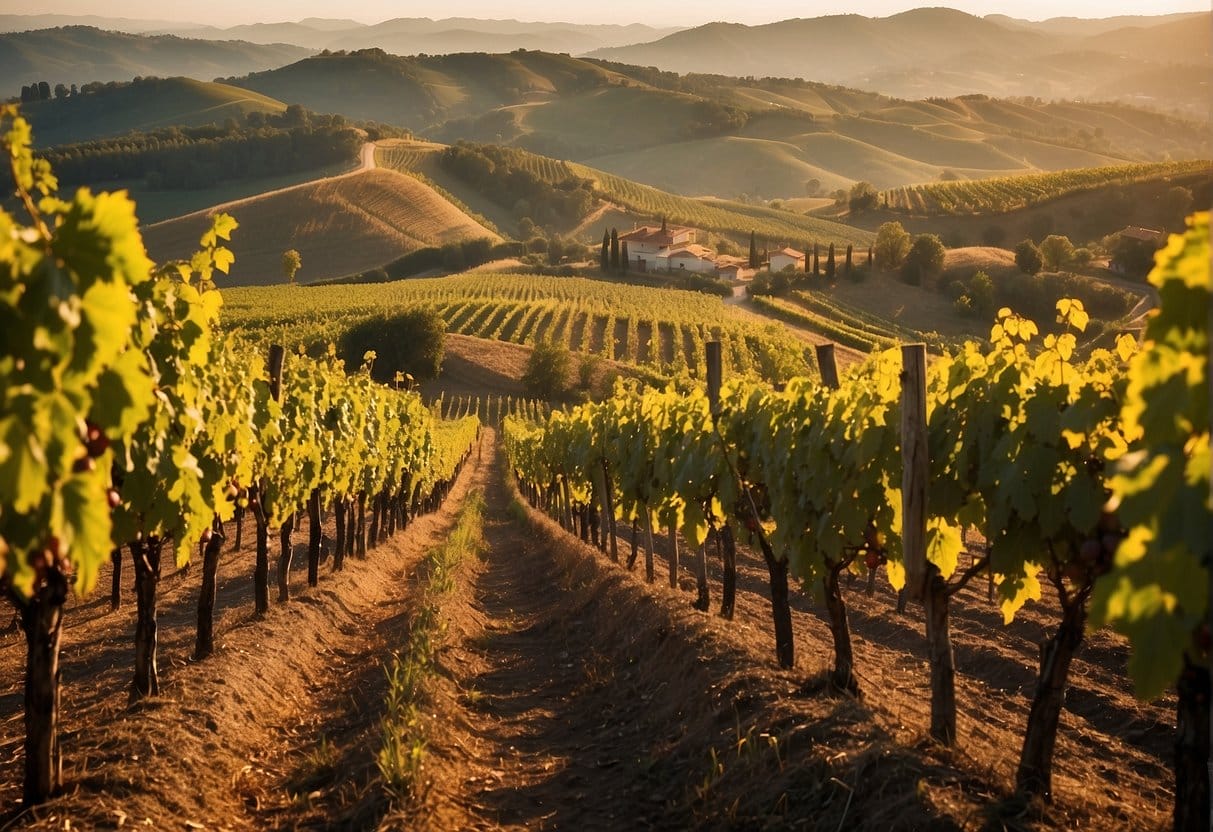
[{"x": 571, "y": 695}]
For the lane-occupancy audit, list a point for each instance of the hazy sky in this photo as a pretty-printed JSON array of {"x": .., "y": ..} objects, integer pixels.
[{"x": 229, "y": 12}]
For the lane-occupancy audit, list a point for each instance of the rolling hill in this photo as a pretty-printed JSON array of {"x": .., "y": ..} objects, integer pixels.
[
  {"x": 339, "y": 225},
  {"x": 760, "y": 137},
  {"x": 146, "y": 104},
  {"x": 944, "y": 52},
  {"x": 624, "y": 199},
  {"x": 83, "y": 54}
]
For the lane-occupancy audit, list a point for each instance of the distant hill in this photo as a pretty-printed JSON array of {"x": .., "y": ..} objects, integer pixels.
[
  {"x": 82, "y": 54},
  {"x": 339, "y": 226},
  {"x": 943, "y": 52},
  {"x": 762, "y": 137},
  {"x": 101, "y": 111},
  {"x": 403, "y": 36}
]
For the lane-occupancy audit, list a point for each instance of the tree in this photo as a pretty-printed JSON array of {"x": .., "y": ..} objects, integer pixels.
[
  {"x": 604, "y": 259},
  {"x": 44, "y": 91},
  {"x": 816, "y": 260},
  {"x": 291, "y": 262},
  {"x": 1176, "y": 203},
  {"x": 1056, "y": 251},
  {"x": 623, "y": 256},
  {"x": 753, "y": 251},
  {"x": 981, "y": 295},
  {"x": 830, "y": 263},
  {"x": 410, "y": 342},
  {"x": 614, "y": 249},
  {"x": 60, "y": 91},
  {"x": 892, "y": 245},
  {"x": 1027, "y": 257},
  {"x": 847, "y": 267},
  {"x": 864, "y": 197},
  {"x": 547, "y": 369},
  {"x": 663, "y": 226},
  {"x": 870, "y": 260},
  {"x": 925, "y": 259}
]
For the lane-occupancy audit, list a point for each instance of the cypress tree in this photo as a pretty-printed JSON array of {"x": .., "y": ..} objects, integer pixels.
[
  {"x": 808, "y": 263},
  {"x": 753, "y": 251},
  {"x": 614, "y": 249},
  {"x": 830, "y": 267},
  {"x": 816, "y": 260},
  {"x": 663, "y": 226},
  {"x": 848, "y": 265},
  {"x": 605, "y": 258},
  {"x": 623, "y": 256},
  {"x": 870, "y": 258}
]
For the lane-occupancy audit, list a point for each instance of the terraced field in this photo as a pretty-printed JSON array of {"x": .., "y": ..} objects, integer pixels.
[{"x": 664, "y": 329}]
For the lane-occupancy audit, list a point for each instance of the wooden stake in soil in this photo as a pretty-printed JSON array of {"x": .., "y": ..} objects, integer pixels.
[
  {"x": 923, "y": 580},
  {"x": 827, "y": 366}
]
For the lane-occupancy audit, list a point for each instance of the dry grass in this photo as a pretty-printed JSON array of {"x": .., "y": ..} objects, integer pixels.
[{"x": 339, "y": 226}]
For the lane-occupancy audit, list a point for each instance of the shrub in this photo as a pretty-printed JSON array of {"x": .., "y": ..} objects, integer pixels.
[
  {"x": 546, "y": 370},
  {"x": 1027, "y": 257},
  {"x": 892, "y": 245},
  {"x": 408, "y": 342},
  {"x": 925, "y": 259}
]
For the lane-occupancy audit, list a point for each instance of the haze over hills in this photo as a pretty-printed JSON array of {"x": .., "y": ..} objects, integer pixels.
[
  {"x": 943, "y": 52},
  {"x": 403, "y": 36},
  {"x": 82, "y": 54}
]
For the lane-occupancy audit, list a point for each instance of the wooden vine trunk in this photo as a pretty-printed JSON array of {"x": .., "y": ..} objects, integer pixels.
[
  {"x": 728, "y": 590},
  {"x": 42, "y": 621},
  {"x": 360, "y": 515},
  {"x": 261, "y": 570},
  {"x": 204, "y": 642},
  {"x": 649, "y": 575},
  {"x": 1035, "y": 774},
  {"x": 1192, "y": 765},
  {"x": 314, "y": 539},
  {"x": 702, "y": 599},
  {"x": 116, "y": 579},
  {"x": 673, "y": 562},
  {"x": 146, "y": 556},
  {"x": 843, "y": 675},
  {"x": 942, "y": 661},
  {"x": 339, "y": 543},
  {"x": 608, "y": 507},
  {"x": 285, "y": 556},
  {"x": 781, "y": 611}
]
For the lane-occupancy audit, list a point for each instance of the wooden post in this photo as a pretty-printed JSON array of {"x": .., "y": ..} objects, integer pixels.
[
  {"x": 915, "y": 466},
  {"x": 827, "y": 365}
]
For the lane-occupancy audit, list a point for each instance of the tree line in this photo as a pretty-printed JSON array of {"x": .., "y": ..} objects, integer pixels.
[
  {"x": 185, "y": 158},
  {"x": 500, "y": 173}
]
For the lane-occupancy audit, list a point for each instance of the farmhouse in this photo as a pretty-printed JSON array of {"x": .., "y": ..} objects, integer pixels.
[
  {"x": 649, "y": 242},
  {"x": 692, "y": 258},
  {"x": 734, "y": 268},
  {"x": 785, "y": 257}
]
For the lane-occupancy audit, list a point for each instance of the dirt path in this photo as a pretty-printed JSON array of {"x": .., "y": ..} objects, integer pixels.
[{"x": 537, "y": 743}]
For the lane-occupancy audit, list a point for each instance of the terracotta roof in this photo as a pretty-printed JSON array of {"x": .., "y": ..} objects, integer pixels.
[
  {"x": 654, "y": 234},
  {"x": 790, "y": 252},
  {"x": 728, "y": 261},
  {"x": 694, "y": 250}
]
